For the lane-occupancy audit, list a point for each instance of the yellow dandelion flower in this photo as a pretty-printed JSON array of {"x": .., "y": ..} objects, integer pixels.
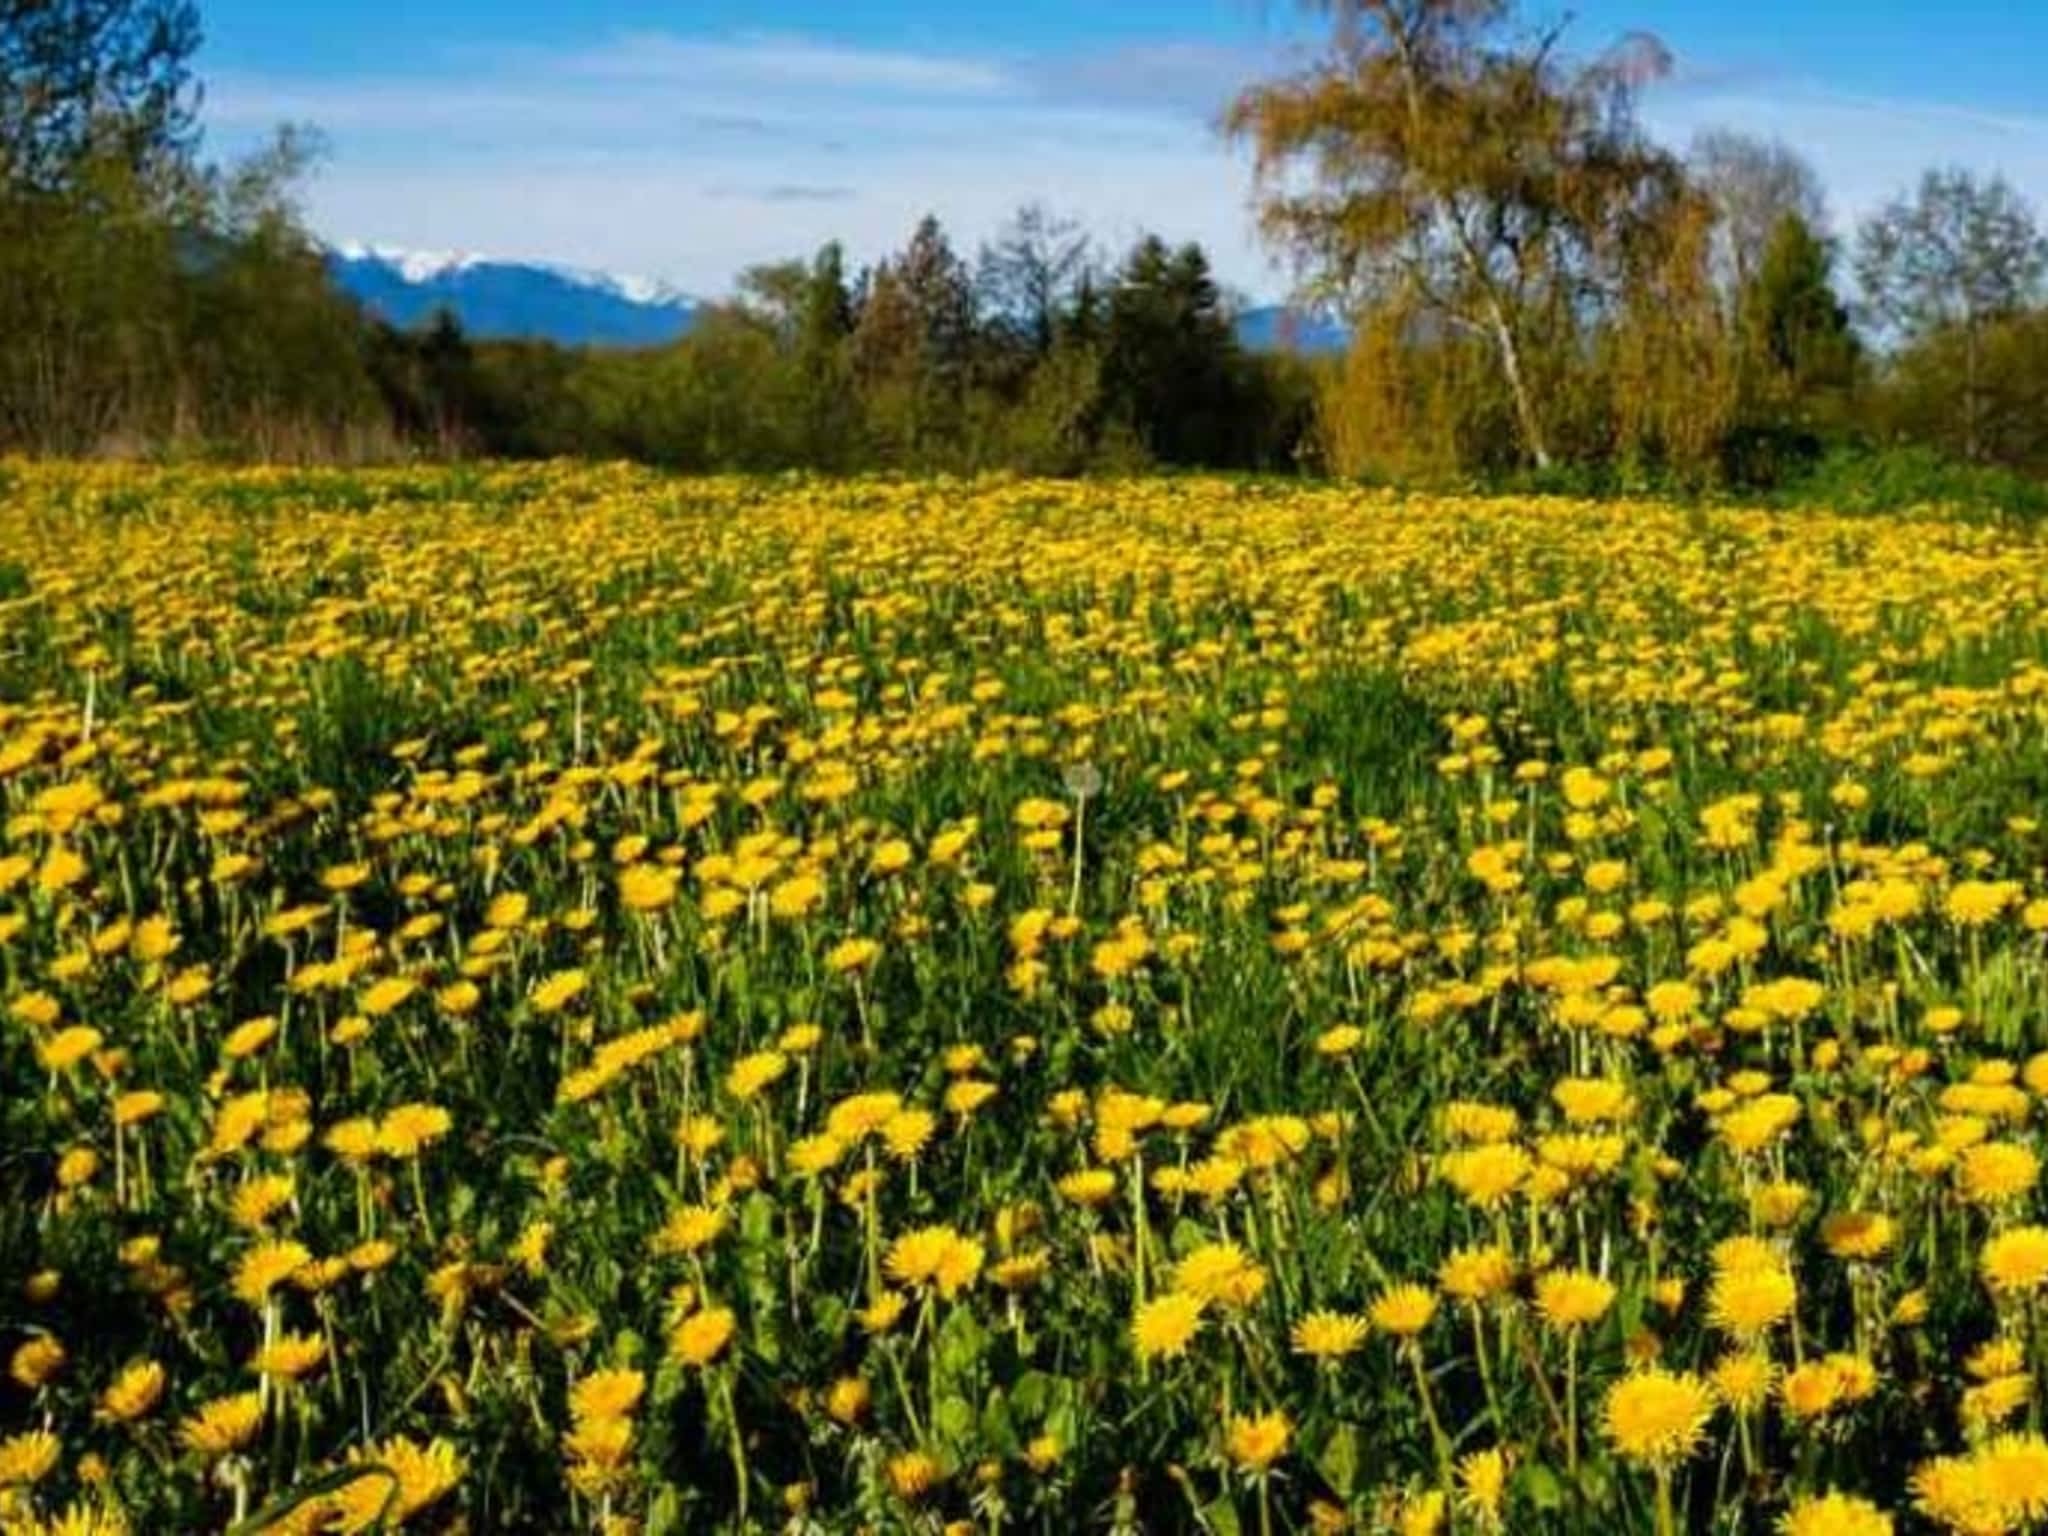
[
  {"x": 410, "y": 1128},
  {"x": 133, "y": 1393},
  {"x": 68, "y": 1047},
  {"x": 1254, "y": 1444},
  {"x": 1329, "y": 1336},
  {"x": 912, "y": 1474},
  {"x": 1404, "y": 1310},
  {"x": 648, "y": 887},
  {"x": 701, "y": 1337},
  {"x": 1474, "y": 1275},
  {"x": 1747, "y": 1300},
  {"x": 608, "y": 1394},
  {"x": 1571, "y": 1298},
  {"x": 222, "y": 1426},
  {"x": 934, "y": 1257},
  {"x": 26, "y": 1458},
  {"x": 386, "y": 996},
  {"x": 690, "y": 1229},
  {"x": 290, "y": 1356},
  {"x": 1835, "y": 1514},
  {"x": 751, "y": 1075},
  {"x": 1810, "y": 1391},
  {"x": 1657, "y": 1417},
  {"x": 847, "y": 1400},
  {"x": 1745, "y": 1381},
  {"x": 906, "y": 1133},
  {"x": 1165, "y": 1325},
  {"x": 554, "y": 992},
  {"x": 1483, "y": 1486},
  {"x": 264, "y": 1268},
  {"x": 408, "y": 1478},
  {"x": 1994, "y": 1172},
  {"x": 1220, "y": 1273},
  {"x": 1863, "y": 1235}
]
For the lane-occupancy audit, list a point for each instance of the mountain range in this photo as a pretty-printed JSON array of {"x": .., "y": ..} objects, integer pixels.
[
  {"x": 510, "y": 300},
  {"x": 525, "y": 300}
]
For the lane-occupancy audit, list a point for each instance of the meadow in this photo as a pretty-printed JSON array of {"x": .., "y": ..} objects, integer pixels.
[{"x": 562, "y": 999}]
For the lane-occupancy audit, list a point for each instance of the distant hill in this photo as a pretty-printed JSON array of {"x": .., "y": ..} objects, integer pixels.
[
  {"x": 506, "y": 300},
  {"x": 518, "y": 300}
]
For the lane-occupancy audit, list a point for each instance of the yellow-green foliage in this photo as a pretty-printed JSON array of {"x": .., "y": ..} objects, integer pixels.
[{"x": 559, "y": 999}]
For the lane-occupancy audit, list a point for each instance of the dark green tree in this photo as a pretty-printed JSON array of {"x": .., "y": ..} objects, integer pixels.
[
  {"x": 1170, "y": 367},
  {"x": 829, "y": 414},
  {"x": 1752, "y": 185},
  {"x": 913, "y": 351},
  {"x": 1029, "y": 277},
  {"x": 1798, "y": 358},
  {"x": 1803, "y": 332}
]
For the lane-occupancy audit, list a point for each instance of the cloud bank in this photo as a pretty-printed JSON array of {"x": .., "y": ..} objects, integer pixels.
[{"x": 693, "y": 157}]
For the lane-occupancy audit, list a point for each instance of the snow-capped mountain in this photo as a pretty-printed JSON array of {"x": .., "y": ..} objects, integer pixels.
[
  {"x": 541, "y": 301},
  {"x": 512, "y": 299}
]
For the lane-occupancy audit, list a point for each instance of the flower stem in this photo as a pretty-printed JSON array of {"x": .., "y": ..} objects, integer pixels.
[
  {"x": 1571, "y": 1405},
  {"x": 1437, "y": 1437},
  {"x": 739, "y": 1452}
]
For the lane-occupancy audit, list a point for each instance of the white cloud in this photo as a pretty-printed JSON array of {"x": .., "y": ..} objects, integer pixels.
[
  {"x": 1867, "y": 149},
  {"x": 693, "y": 157},
  {"x": 778, "y": 60},
  {"x": 697, "y": 226}
]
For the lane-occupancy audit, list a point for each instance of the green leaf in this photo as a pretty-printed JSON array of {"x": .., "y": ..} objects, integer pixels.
[
  {"x": 1596, "y": 1482},
  {"x": 665, "y": 1512},
  {"x": 1064, "y": 1422},
  {"x": 1540, "y": 1487},
  {"x": 670, "y": 1380},
  {"x": 962, "y": 1342},
  {"x": 767, "y": 1336},
  {"x": 757, "y": 1220},
  {"x": 1031, "y": 1396},
  {"x": 1339, "y": 1459},
  {"x": 953, "y": 1420},
  {"x": 998, "y": 1434}
]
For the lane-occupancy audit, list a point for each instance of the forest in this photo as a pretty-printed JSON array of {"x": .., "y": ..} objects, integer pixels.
[{"x": 1536, "y": 291}]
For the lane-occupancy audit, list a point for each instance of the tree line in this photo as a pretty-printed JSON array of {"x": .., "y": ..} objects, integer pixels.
[
  {"x": 1531, "y": 284},
  {"x": 151, "y": 301},
  {"x": 1035, "y": 356},
  {"x": 1535, "y": 283},
  {"x": 146, "y": 297}
]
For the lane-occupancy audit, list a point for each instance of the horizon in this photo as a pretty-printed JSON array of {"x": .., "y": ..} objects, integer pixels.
[
  {"x": 616, "y": 142},
  {"x": 421, "y": 267}
]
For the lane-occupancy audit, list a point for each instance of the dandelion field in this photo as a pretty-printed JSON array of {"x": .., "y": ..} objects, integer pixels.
[{"x": 555, "y": 999}]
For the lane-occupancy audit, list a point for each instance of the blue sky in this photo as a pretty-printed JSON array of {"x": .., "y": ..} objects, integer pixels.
[{"x": 684, "y": 141}]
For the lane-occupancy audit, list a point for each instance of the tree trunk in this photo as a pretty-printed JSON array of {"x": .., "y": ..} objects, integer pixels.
[
  {"x": 1970, "y": 390},
  {"x": 1525, "y": 408},
  {"x": 1504, "y": 337}
]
